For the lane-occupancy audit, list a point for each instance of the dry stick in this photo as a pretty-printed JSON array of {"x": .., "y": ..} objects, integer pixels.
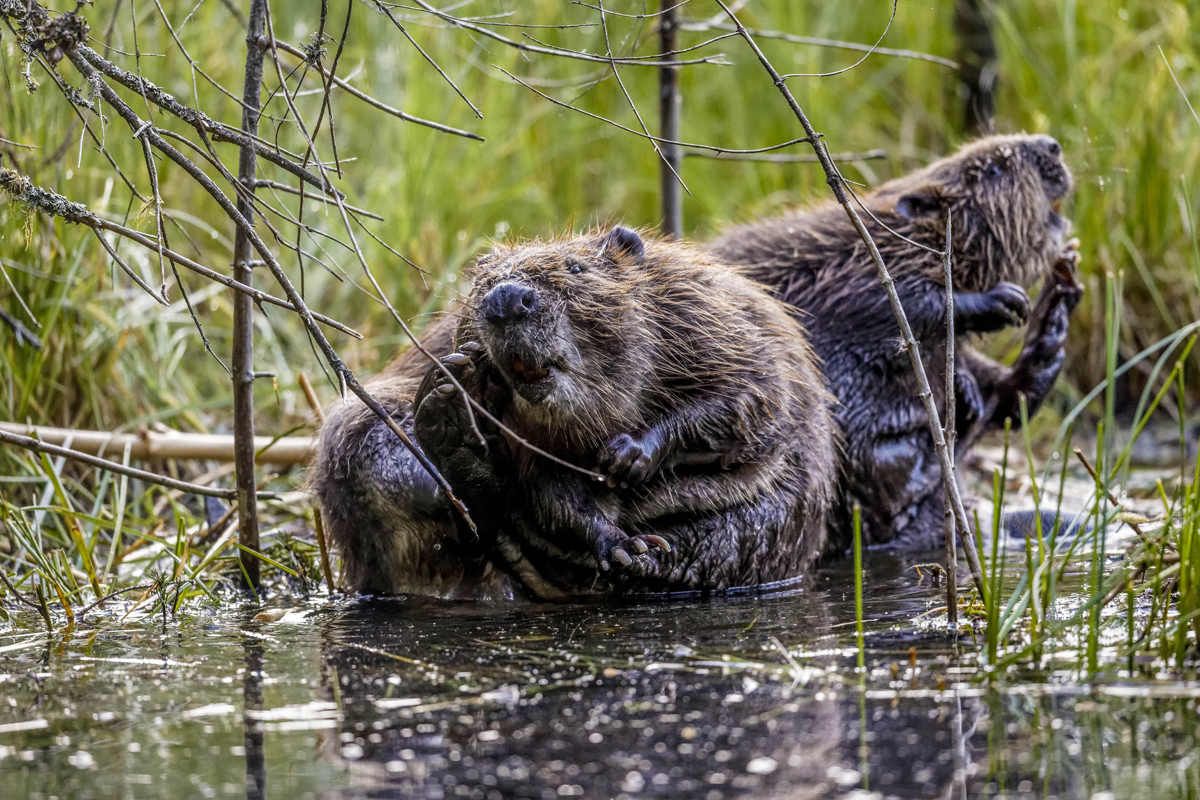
[
  {"x": 322, "y": 543},
  {"x": 658, "y": 139},
  {"x": 529, "y": 48},
  {"x": 616, "y": 73},
  {"x": 1111, "y": 499},
  {"x": 701, "y": 27},
  {"x": 243, "y": 309},
  {"x": 629, "y": 99},
  {"x": 908, "y": 342},
  {"x": 262, "y": 183},
  {"x": 344, "y": 374},
  {"x": 327, "y": 87},
  {"x": 197, "y": 119},
  {"x": 669, "y": 102},
  {"x": 801, "y": 158},
  {"x": 1116, "y": 590},
  {"x": 428, "y": 58},
  {"x": 170, "y": 445},
  {"x": 54, "y": 204},
  {"x": 951, "y": 547},
  {"x": 311, "y": 396},
  {"x": 112, "y": 466},
  {"x": 371, "y": 101},
  {"x": 471, "y": 404}
]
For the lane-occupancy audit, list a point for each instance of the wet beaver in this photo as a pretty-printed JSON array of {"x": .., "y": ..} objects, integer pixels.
[
  {"x": 1003, "y": 195},
  {"x": 387, "y": 517},
  {"x": 681, "y": 380}
]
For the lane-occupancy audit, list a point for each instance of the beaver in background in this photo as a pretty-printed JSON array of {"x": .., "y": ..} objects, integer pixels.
[
  {"x": 1003, "y": 194},
  {"x": 682, "y": 381}
]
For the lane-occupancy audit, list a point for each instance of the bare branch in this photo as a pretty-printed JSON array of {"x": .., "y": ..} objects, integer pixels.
[
  {"x": 428, "y": 58},
  {"x": 21, "y": 189},
  {"x": 112, "y": 466},
  {"x": 384, "y": 107},
  {"x": 465, "y": 25},
  {"x": 908, "y": 341},
  {"x": 812, "y": 40},
  {"x": 658, "y": 139},
  {"x": 802, "y": 158}
]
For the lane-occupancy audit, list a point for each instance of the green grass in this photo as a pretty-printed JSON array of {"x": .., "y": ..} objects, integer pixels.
[{"x": 1092, "y": 74}]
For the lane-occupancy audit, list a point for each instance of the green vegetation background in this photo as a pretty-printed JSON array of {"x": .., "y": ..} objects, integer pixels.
[{"x": 1090, "y": 74}]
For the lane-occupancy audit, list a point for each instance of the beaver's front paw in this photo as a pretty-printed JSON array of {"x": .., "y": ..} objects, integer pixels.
[
  {"x": 445, "y": 428},
  {"x": 628, "y": 460},
  {"x": 1005, "y": 305},
  {"x": 1047, "y": 331},
  {"x": 616, "y": 546}
]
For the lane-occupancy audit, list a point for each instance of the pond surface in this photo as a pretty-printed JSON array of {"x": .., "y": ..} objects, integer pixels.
[{"x": 678, "y": 698}]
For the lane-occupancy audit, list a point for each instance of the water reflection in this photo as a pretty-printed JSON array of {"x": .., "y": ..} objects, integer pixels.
[
  {"x": 252, "y": 694},
  {"x": 676, "y": 698}
]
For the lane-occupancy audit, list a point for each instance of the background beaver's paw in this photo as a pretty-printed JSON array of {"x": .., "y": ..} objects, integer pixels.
[
  {"x": 628, "y": 460},
  {"x": 1005, "y": 305},
  {"x": 617, "y": 549},
  {"x": 1069, "y": 257}
]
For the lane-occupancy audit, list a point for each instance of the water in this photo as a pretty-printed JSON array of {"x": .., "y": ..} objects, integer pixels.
[{"x": 682, "y": 698}]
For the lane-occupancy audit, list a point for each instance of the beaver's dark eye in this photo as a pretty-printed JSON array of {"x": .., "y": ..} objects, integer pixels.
[
  {"x": 575, "y": 268},
  {"x": 993, "y": 170}
]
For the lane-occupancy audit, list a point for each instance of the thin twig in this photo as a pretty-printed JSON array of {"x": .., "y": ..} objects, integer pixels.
[
  {"x": 371, "y": 101},
  {"x": 799, "y": 158},
  {"x": 529, "y": 48},
  {"x": 21, "y": 189},
  {"x": 951, "y": 419},
  {"x": 908, "y": 342},
  {"x": 658, "y": 139},
  {"x": 701, "y": 27}
]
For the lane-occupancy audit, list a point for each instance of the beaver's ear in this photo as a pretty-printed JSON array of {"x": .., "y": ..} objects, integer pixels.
[
  {"x": 925, "y": 202},
  {"x": 623, "y": 243}
]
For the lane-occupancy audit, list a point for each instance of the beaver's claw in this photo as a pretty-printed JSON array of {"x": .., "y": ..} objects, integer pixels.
[
  {"x": 1004, "y": 305},
  {"x": 442, "y": 422},
  {"x": 617, "y": 549}
]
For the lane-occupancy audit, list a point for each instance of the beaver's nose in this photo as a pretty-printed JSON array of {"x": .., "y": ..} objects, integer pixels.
[
  {"x": 509, "y": 301},
  {"x": 1048, "y": 145}
]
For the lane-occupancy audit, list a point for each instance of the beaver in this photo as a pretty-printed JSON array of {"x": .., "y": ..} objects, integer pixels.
[
  {"x": 383, "y": 512},
  {"x": 1003, "y": 194},
  {"x": 679, "y": 379}
]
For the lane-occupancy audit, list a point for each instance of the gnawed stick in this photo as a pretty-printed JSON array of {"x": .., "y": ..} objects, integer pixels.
[
  {"x": 112, "y": 466},
  {"x": 284, "y": 451}
]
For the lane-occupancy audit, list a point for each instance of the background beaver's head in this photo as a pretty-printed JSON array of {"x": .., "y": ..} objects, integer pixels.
[
  {"x": 562, "y": 323},
  {"x": 1004, "y": 194}
]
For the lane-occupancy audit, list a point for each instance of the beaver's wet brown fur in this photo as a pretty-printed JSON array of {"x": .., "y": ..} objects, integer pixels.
[
  {"x": 1002, "y": 193},
  {"x": 677, "y": 377}
]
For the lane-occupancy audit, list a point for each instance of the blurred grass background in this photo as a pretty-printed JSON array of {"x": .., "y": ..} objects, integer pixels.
[{"x": 1091, "y": 74}]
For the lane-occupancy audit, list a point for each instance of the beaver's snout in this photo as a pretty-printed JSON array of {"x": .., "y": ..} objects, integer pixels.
[
  {"x": 1047, "y": 155},
  {"x": 509, "y": 302}
]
